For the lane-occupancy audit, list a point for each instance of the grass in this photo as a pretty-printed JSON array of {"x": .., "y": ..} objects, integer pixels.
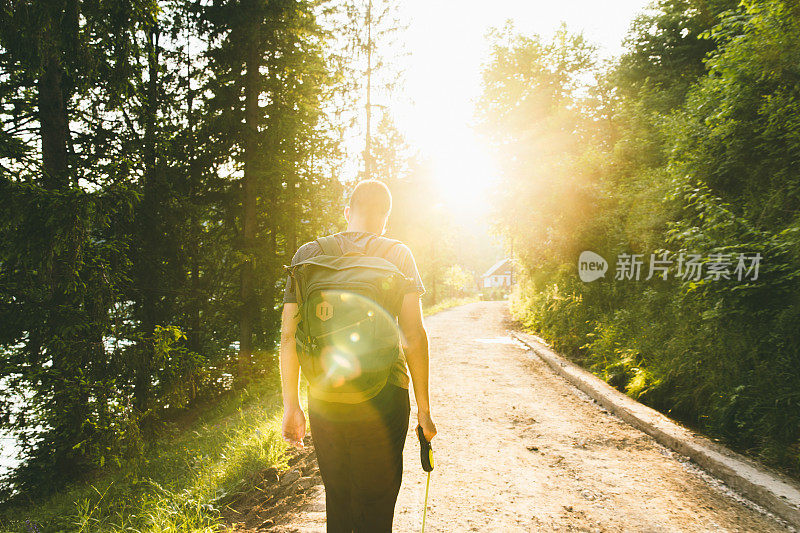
[{"x": 188, "y": 475}]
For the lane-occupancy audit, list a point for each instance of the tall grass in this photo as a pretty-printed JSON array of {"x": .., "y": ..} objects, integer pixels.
[{"x": 181, "y": 482}]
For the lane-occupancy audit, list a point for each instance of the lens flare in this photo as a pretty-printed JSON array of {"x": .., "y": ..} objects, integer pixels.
[
  {"x": 339, "y": 366},
  {"x": 346, "y": 354}
]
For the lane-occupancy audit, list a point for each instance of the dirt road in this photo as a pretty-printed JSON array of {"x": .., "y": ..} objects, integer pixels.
[{"x": 521, "y": 450}]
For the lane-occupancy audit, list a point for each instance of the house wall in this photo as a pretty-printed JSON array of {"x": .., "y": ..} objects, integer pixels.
[{"x": 501, "y": 280}]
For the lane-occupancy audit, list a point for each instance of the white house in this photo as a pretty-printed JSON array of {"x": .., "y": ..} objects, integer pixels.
[{"x": 501, "y": 274}]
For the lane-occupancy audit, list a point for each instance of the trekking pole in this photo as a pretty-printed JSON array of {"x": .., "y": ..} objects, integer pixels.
[{"x": 426, "y": 458}]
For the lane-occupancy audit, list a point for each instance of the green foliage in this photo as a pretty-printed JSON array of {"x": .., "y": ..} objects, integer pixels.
[
  {"x": 180, "y": 483},
  {"x": 700, "y": 156},
  {"x": 59, "y": 281},
  {"x": 127, "y": 130},
  {"x": 457, "y": 281}
]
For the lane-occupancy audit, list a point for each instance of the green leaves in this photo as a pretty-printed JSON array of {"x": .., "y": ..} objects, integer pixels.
[
  {"x": 119, "y": 281},
  {"x": 700, "y": 157}
]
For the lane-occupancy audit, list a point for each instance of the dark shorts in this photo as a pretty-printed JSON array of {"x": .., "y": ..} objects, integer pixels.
[{"x": 359, "y": 448}]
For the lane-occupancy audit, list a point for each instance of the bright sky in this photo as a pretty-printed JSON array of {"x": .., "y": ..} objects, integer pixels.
[{"x": 447, "y": 46}]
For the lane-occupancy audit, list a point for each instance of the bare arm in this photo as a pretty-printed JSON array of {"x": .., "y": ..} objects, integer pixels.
[
  {"x": 415, "y": 347},
  {"x": 294, "y": 421}
]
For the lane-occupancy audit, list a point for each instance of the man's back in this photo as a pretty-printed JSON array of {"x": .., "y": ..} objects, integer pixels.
[{"x": 366, "y": 243}]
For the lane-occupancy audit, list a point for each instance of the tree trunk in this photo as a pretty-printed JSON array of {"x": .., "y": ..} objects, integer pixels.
[
  {"x": 434, "y": 268},
  {"x": 291, "y": 214},
  {"x": 148, "y": 223},
  {"x": 53, "y": 126},
  {"x": 193, "y": 338},
  {"x": 55, "y": 176},
  {"x": 248, "y": 191}
]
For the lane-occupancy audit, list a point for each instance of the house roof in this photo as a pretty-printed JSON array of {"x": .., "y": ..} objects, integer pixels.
[{"x": 497, "y": 266}]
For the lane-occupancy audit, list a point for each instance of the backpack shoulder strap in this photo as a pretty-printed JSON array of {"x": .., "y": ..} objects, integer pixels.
[
  {"x": 384, "y": 245},
  {"x": 329, "y": 245}
]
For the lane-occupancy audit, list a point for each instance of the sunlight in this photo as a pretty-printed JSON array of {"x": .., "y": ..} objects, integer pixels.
[
  {"x": 463, "y": 173},
  {"x": 442, "y": 79}
]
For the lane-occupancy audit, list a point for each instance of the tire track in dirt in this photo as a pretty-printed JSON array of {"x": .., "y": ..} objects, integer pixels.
[{"x": 519, "y": 449}]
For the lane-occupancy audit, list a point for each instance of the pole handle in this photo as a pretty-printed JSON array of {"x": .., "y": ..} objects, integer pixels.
[{"x": 425, "y": 451}]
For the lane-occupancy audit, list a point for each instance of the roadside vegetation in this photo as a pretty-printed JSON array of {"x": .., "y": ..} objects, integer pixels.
[
  {"x": 448, "y": 304},
  {"x": 202, "y": 460},
  {"x": 687, "y": 144}
]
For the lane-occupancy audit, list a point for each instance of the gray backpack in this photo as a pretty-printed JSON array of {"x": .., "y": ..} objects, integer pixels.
[{"x": 347, "y": 337}]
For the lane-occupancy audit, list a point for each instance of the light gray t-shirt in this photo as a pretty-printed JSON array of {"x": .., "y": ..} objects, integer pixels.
[{"x": 366, "y": 243}]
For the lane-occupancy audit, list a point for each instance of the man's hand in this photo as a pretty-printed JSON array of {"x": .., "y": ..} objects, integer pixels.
[
  {"x": 428, "y": 427},
  {"x": 415, "y": 346},
  {"x": 294, "y": 420},
  {"x": 294, "y": 426}
]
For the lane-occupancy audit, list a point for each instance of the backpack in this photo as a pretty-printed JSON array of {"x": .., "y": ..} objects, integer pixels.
[{"x": 347, "y": 335}]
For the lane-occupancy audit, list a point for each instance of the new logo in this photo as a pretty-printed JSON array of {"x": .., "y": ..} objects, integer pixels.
[{"x": 591, "y": 266}]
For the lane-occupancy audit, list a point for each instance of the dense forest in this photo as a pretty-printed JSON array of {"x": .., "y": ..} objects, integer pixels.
[
  {"x": 687, "y": 145},
  {"x": 160, "y": 163}
]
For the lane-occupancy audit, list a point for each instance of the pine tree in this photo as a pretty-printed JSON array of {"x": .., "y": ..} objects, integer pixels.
[{"x": 56, "y": 261}]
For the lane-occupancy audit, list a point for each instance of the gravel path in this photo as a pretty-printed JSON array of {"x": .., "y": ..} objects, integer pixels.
[{"x": 519, "y": 449}]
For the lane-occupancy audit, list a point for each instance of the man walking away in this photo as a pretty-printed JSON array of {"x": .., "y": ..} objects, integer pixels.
[{"x": 358, "y": 435}]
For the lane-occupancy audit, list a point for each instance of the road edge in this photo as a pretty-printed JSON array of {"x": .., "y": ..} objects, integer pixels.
[{"x": 771, "y": 490}]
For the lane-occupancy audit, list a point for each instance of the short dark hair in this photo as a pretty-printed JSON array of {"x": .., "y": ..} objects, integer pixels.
[{"x": 371, "y": 199}]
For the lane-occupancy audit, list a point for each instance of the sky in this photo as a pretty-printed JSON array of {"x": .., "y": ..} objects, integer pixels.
[{"x": 446, "y": 47}]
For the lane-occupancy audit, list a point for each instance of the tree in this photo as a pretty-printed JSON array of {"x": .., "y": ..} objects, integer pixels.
[
  {"x": 268, "y": 72},
  {"x": 530, "y": 114},
  {"x": 57, "y": 274},
  {"x": 457, "y": 280},
  {"x": 686, "y": 146}
]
